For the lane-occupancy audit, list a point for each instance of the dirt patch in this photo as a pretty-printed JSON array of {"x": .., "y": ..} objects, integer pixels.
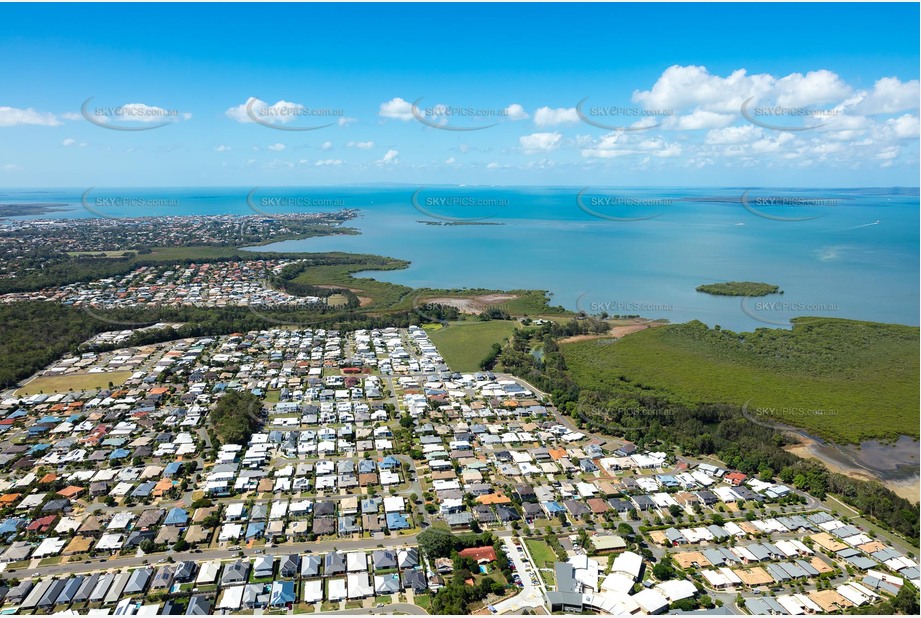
[
  {"x": 616, "y": 331},
  {"x": 364, "y": 301},
  {"x": 472, "y": 305}
]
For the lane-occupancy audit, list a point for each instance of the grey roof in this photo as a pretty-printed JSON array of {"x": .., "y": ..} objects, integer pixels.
[
  {"x": 137, "y": 582},
  {"x": 333, "y": 562},
  {"x": 384, "y": 559},
  {"x": 198, "y": 606},
  {"x": 763, "y": 606},
  {"x": 310, "y": 566}
]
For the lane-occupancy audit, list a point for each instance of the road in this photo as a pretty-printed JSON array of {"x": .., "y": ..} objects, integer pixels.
[{"x": 530, "y": 595}]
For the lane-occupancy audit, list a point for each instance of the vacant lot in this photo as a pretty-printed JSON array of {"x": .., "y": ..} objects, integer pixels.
[
  {"x": 79, "y": 382},
  {"x": 464, "y": 344}
]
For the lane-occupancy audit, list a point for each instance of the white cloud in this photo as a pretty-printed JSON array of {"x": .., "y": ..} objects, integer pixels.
[
  {"x": 734, "y": 135},
  {"x": 889, "y": 96},
  {"x": 276, "y": 147},
  {"x": 361, "y": 145},
  {"x": 450, "y": 161},
  {"x": 326, "y": 146},
  {"x": 327, "y": 162},
  {"x": 280, "y": 112},
  {"x": 396, "y": 108},
  {"x": 72, "y": 142},
  {"x": 345, "y": 121},
  {"x": 222, "y": 148},
  {"x": 515, "y": 112},
  {"x": 12, "y": 116},
  {"x": 814, "y": 88},
  {"x": 548, "y": 117},
  {"x": 390, "y": 157},
  {"x": 700, "y": 119},
  {"x": 686, "y": 87},
  {"x": 540, "y": 142}
]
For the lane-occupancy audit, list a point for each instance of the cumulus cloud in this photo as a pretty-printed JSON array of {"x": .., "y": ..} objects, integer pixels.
[
  {"x": 280, "y": 112},
  {"x": 72, "y": 142},
  {"x": 222, "y": 148},
  {"x": 396, "y": 108},
  {"x": 889, "y": 96},
  {"x": 328, "y": 162},
  {"x": 540, "y": 142},
  {"x": 390, "y": 157},
  {"x": 361, "y": 145},
  {"x": 548, "y": 117},
  {"x": 276, "y": 147},
  {"x": 515, "y": 112}
]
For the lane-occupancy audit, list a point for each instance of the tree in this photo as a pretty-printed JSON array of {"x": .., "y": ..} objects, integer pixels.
[{"x": 181, "y": 545}]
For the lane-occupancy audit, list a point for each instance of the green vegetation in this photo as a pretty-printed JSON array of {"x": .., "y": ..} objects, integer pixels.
[
  {"x": 739, "y": 288},
  {"x": 236, "y": 416},
  {"x": 824, "y": 375},
  {"x": 80, "y": 382},
  {"x": 544, "y": 556},
  {"x": 464, "y": 344}
]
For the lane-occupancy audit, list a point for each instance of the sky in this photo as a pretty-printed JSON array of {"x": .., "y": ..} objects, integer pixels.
[{"x": 793, "y": 95}]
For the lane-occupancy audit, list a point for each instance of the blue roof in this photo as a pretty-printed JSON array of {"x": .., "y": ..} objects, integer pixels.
[
  {"x": 282, "y": 593},
  {"x": 396, "y": 521},
  {"x": 172, "y": 468},
  {"x": 176, "y": 516},
  {"x": 48, "y": 420},
  {"x": 119, "y": 453},
  {"x": 38, "y": 448},
  {"x": 11, "y": 525},
  {"x": 554, "y": 507},
  {"x": 17, "y": 414},
  {"x": 254, "y": 529}
]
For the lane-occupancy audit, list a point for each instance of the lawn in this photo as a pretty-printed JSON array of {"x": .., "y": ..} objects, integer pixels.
[
  {"x": 63, "y": 384},
  {"x": 423, "y": 600},
  {"x": 543, "y": 554},
  {"x": 844, "y": 380},
  {"x": 464, "y": 344}
]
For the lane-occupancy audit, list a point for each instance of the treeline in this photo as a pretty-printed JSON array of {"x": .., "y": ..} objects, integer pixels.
[
  {"x": 34, "y": 334},
  {"x": 236, "y": 417},
  {"x": 617, "y": 406}
]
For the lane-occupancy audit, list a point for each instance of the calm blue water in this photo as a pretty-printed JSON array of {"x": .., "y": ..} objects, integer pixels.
[{"x": 859, "y": 260}]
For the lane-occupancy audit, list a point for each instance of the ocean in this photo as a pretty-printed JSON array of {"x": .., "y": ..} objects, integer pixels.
[{"x": 845, "y": 253}]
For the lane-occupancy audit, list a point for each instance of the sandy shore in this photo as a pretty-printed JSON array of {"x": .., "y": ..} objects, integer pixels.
[
  {"x": 616, "y": 331},
  {"x": 909, "y": 488}
]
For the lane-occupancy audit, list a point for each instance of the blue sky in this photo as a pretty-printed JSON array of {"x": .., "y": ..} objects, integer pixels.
[{"x": 829, "y": 92}]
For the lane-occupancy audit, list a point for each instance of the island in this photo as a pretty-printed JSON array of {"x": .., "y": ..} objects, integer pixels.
[{"x": 739, "y": 288}]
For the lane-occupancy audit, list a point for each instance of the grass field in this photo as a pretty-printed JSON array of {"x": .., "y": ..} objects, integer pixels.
[
  {"x": 63, "y": 384},
  {"x": 844, "y": 380},
  {"x": 543, "y": 554},
  {"x": 464, "y": 344}
]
